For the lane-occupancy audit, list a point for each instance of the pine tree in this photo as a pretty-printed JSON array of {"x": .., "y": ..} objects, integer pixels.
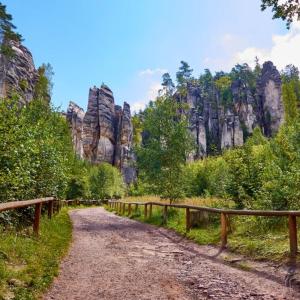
[
  {"x": 7, "y": 32},
  {"x": 168, "y": 84}
]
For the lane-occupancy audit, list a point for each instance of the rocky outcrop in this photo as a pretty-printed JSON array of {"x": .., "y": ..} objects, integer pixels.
[
  {"x": 270, "y": 99},
  {"x": 18, "y": 74},
  {"x": 75, "y": 115},
  {"x": 104, "y": 132},
  {"x": 217, "y": 125}
]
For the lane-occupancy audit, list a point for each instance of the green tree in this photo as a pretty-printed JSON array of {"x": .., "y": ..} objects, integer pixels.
[
  {"x": 168, "y": 84},
  {"x": 223, "y": 84},
  {"x": 137, "y": 124},
  {"x": 289, "y": 102},
  {"x": 285, "y": 10},
  {"x": 44, "y": 85},
  {"x": 166, "y": 146},
  {"x": 106, "y": 182},
  {"x": 183, "y": 76},
  {"x": 7, "y": 32}
]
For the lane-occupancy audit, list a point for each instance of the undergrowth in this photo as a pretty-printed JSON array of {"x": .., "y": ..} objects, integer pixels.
[{"x": 27, "y": 263}]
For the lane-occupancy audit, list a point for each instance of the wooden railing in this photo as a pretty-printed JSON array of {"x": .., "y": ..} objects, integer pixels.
[
  {"x": 80, "y": 202},
  {"x": 120, "y": 206},
  {"x": 50, "y": 201}
]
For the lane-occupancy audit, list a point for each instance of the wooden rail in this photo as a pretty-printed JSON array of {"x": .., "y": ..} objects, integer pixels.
[
  {"x": 80, "y": 201},
  {"x": 224, "y": 213},
  {"x": 38, "y": 209}
]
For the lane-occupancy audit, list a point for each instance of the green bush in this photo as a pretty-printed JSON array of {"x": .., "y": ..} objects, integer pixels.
[
  {"x": 35, "y": 151},
  {"x": 106, "y": 182}
]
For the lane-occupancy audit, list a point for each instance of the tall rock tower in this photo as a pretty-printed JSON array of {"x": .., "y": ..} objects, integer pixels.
[{"x": 104, "y": 132}]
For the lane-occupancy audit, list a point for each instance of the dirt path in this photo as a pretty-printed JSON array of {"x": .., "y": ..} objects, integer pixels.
[{"x": 117, "y": 258}]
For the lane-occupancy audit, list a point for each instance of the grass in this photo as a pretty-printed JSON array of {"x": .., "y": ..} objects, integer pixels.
[
  {"x": 28, "y": 264},
  {"x": 254, "y": 237}
]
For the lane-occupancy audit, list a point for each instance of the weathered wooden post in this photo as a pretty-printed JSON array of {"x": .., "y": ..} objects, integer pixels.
[
  {"x": 188, "y": 219},
  {"x": 129, "y": 209},
  {"x": 124, "y": 208},
  {"x": 37, "y": 218},
  {"x": 293, "y": 236},
  {"x": 223, "y": 230},
  {"x": 136, "y": 207},
  {"x": 50, "y": 209},
  {"x": 165, "y": 214},
  {"x": 150, "y": 210},
  {"x": 146, "y": 211}
]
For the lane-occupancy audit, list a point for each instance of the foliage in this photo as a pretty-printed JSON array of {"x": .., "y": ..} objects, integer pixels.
[
  {"x": 35, "y": 151},
  {"x": 289, "y": 101},
  {"x": 44, "y": 83},
  {"x": 168, "y": 84},
  {"x": 183, "y": 76},
  {"x": 7, "y": 32},
  {"x": 30, "y": 261},
  {"x": 262, "y": 174},
  {"x": 223, "y": 84},
  {"x": 105, "y": 182},
  {"x": 137, "y": 124},
  {"x": 166, "y": 146},
  {"x": 285, "y": 10}
]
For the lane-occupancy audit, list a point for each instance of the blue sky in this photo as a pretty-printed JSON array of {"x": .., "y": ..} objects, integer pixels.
[{"x": 128, "y": 44}]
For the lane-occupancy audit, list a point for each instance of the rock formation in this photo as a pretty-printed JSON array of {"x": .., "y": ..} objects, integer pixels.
[
  {"x": 216, "y": 125},
  {"x": 18, "y": 73},
  {"x": 75, "y": 115},
  {"x": 104, "y": 132}
]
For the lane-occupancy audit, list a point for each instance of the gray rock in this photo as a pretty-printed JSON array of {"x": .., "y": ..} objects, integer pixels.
[
  {"x": 216, "y": 125},
  {"x": 18, "y": 74},
  {"x": 104, "y": 132},
  {"x": 75, "y": 115},
  {"x": 269, "y": 96}
]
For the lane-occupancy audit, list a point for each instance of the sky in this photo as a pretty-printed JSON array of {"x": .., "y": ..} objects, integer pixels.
[{"x": 129, "y": 44}]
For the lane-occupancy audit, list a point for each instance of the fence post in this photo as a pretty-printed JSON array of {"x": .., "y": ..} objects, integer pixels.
[
  {"x": 124, "y": 208},
  {"x": 165, "y": 215},
  {"x": 129, "y": 209},
  {"x": 223, "y": 230},
  {"x": 136, "y": 208},
  {"x": 293, "y": 236},
  {"x": 146, "y": 211},
  {"x": 50, "y": 209},
  {"x": 150, "y": 210},
  {"x": 37, "y": 218},
  {"x": 188, "y": 219}
]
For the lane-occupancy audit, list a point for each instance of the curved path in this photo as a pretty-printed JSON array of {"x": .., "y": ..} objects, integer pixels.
[{"x": 117, "y": 258}]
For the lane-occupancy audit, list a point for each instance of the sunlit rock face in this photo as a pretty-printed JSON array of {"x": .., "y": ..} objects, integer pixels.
[
  {"x": 104, "y": 132},
  {"x": 18, "y": 74},
  {"x": 216, "y": 125},
  {"x": 75, "y": 115},
  {"x": 269, "y": 91}
]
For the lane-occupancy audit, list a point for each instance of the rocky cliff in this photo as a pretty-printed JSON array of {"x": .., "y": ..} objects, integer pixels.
[
  {"x": 104, "y": 132},
  {"x": 18, "y": 73},
  {"x": 216, "y": 125}
]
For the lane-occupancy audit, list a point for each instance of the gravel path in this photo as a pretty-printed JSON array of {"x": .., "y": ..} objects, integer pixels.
[{"x": 118, "y": 258}]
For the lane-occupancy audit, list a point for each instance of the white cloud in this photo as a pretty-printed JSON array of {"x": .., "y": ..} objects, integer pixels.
[
  {"x": 285, "y": 50},
  {"x": 151, "y": 94},
  {"x": 151, "y": 72}
]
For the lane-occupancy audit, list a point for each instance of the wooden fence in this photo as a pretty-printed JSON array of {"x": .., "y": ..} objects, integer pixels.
[
  {"x": 52, "y": 203},
  {"x": 120, "y": 206},
  {"x": 53, "y": 206}
]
